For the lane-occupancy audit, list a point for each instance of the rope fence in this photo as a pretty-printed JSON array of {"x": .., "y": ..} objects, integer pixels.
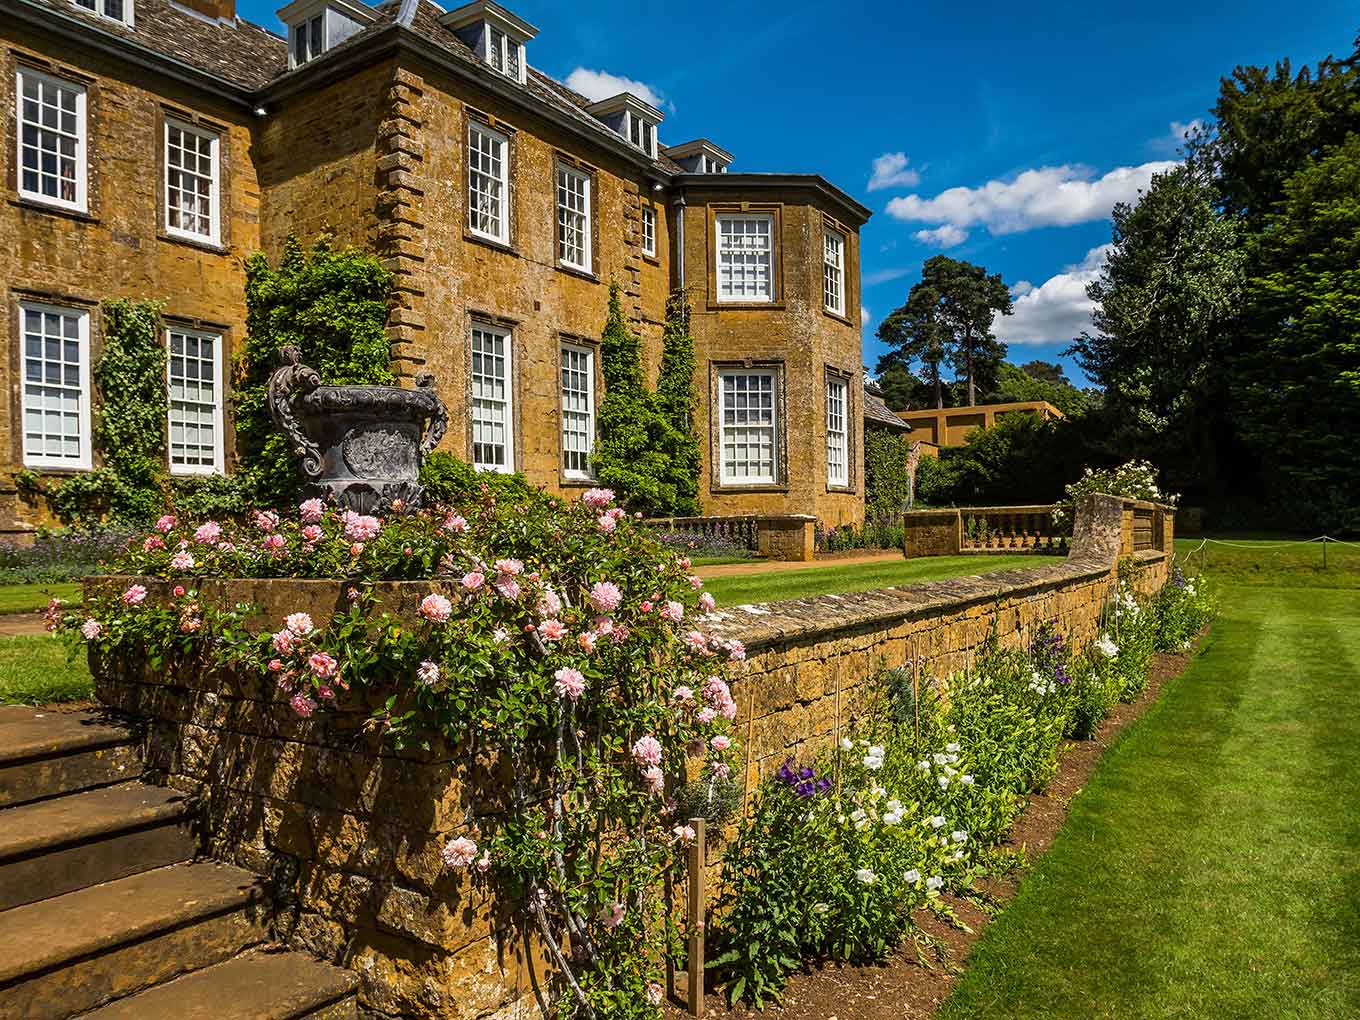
[{"x": 1322, "y": 540}]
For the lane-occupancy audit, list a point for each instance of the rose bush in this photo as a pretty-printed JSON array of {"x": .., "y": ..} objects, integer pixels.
[{"x": 555, "y": 636}]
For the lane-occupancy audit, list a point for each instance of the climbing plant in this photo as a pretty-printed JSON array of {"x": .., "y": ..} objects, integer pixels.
[
  {"x": 332, "y": 305},
  {"x": 645, "y": 448}
]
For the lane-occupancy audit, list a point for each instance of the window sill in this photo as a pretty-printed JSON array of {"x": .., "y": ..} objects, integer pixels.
[
  {"x": 213, "y": 247},
  {"x": 651, "y": 259},
  {"x": 489, "y": 242},
  {"x": 54, "y": 471},
  {"x": 577, "y": 483},
  {"x": 726, "y": 488},
  {"x": 842, "y": 490},
  {"x": 746, "y": 306},
  {"x": 82, "y": 215},
  {"x": 839, "y": 317},
  {"x": 570, "y": 270}
]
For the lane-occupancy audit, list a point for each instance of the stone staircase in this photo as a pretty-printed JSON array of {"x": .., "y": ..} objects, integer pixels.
[{"x": 104, "y": 912}]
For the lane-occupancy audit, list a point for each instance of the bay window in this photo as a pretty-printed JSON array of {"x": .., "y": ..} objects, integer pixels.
[{"x": 749, "y": 438}]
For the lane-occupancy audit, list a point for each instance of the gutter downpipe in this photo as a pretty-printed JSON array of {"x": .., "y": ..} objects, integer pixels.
[{"x": 679, "y": 205}]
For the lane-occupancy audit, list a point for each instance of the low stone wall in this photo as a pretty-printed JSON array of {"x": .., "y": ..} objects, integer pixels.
[
  {"x": 774, "y": 536},
  {"x": 349, "y": 830}
]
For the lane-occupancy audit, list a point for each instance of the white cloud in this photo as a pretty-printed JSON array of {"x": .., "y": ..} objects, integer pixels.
[
  {"x": 942, "y": 237},
  {"x": 1020, "y": 288},
  {"x": 1056, "y": 310},
  {"x": 884, "y": 275},
  {"x": 596, "y": 85},
  {"x": 864, "y": 315},
  {"x": 891, "y": 171},
  {"x": 1048, "y": 196},
  {"x": 1179, "y": 131}
]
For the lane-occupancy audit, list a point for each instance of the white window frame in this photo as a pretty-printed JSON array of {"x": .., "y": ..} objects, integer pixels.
[
  {"x": 84, "y": 460},
  {"x": 215, "y": 181},
  {"x": 833, "y": 271},
  {"x": 502, "y": 181},
  {"x": 101, "y": 8},
  {"x": 507, "y": 404},
  {"x": 725, "y": 294},
  {"x": 80, "y": 203},
  {"x": 568, "y": 352},
  {"x": 649, "y": 229},
  {"x": 217, "y": 467},
  {"x": 499, "y": 46},
  {"x": 641, "y": 133},
  {"x": 313, "y": 43},
  {"x": 727, "y": 465},
  {"x": 837, "y": 431},
  {"x": 567, "y": 176}
]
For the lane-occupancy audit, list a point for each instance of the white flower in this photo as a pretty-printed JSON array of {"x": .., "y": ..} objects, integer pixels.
[
  {"x": 936, "y": 821},
  {"x": 913, "y": 876},
  {"x": 966, "y": 780},
  {"x": 938, "y": 758},
  {"x": 1106, "y": 647},
  {"x": 959, "y": 836},
  {"x": 866, "y": 876},
  {"x": 934, "y": 882},
  {"x": 846, "y": 743},
  {"x": 820, "y": 908},
  {"x": 958, "y": 855},
  {"x": 892, "y": 817},
  {"x": 943, "y": 781},
  {"x": 952, "y": 748},
  {"x": 924, "y": 766},
  {"x": 873, "y": 762}
]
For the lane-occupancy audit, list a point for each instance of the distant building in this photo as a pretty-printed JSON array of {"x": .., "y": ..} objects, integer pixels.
[
  {"x": 951, "y": 426},
  {"x": 156, "y": 143}
]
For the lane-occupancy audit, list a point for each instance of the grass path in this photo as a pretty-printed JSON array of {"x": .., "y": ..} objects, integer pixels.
[{"x": 1211, "y": 868}]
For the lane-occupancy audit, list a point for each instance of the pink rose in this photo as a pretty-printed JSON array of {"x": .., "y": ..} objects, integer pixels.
[
  {"x": 509, "y": 567},
  {"x": 655, "y": 993},
  {"x": 361, "y": 527},
  {"x": 283, "y": 642},
  {"x": 673, "y": 611},
  {"x": 134, "y": 596},
  {"x": 646, "y": 606},
  {"x": 684, "y": 833},
  {"x": 182, "y": 561},
  {"x": 647, "y": 751},
  {"x": 606, "y": 524},
  {"x": 208, "y": 534},
  {"x": 455, "y": 524},
  {"x": 322, "y": 665},
  {"x": 460, "y": 852},
  {"x": 696, "y": 641},
  {"x": 153, "y": 542},
  {"x": 436, "y": 608},
  {"x": 586, "y": 641},
  {"x": 428, "y": 673},
  {"x": 508, "y": 587},
  {"x": 298, "y": 623},
  {"x": 549, "y": 604},
  {"x": 736, "y": 651},
  {"x": 484, "y": 862},
  {"x": 707, "y": 603},
  {"x": 302, "y": 705},
  {"x": 312, "y": 533},
  {"x": 312, "y": 510},
  {"x": 683, "y": 695},
  {"x": 275, "y": 543},
  {"x": 91, "y": 629},
  {"x": 473, "y": 580},
  {"x": 275, "y": 666},
  {"x": 166, "y": 524},
  {"x": 597, "y": 499},
  {"x": 266, "y": 520},
  {"x": 706, "y": 715},
  {"x": 552, "y": 630},
  {"x": 722, "y": 770},
  {"x": 655, "y": 780},
  {"x": 612, "y": 914},
  {"x": 570, "y": 683},
  {"x": 605, "y": 596},
  {"x": 720, "y": 743}
]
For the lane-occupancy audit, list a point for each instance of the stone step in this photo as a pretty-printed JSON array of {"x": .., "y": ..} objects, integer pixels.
[
  {"x": 71, "y": 953},
  {"x": 62, "y": 844},
  {"x": 254, "y": 986},
  {"x": 46, "y": 754}
]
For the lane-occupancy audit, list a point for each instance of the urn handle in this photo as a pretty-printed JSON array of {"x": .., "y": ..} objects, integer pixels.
[
  {"x": 292, "y": 378},
  {"x": 439, "y": 416}
]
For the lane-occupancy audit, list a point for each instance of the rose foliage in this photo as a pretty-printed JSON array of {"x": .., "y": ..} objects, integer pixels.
[{"x": 555, "y": 640}]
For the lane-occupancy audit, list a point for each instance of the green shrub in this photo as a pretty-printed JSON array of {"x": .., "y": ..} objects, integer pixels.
[
  {"x": 450, "y": 479},
  {"x": 1136, "y": 479},
  {"x": 886, "y": 485}
]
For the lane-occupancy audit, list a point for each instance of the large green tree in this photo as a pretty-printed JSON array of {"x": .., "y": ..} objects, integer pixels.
[
  {"x": 1298, "y": 380},
  {"x": 917, "y": 332}
]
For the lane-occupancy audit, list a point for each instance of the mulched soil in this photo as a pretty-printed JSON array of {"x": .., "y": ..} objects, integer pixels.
[{"x": 905, "y": 989}]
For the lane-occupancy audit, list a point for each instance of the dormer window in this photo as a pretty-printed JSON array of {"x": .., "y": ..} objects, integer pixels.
[
  {"x": 316, "y": 26},
  {"x": 114, "y": 10},
  {"x": 494, "y": 34},
  {"x": 632, "y": 118},
  {"x": 700, "y": 157}
]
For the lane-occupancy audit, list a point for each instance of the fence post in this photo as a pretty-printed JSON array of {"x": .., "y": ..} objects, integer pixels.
[{"x": 695, "y": 963}]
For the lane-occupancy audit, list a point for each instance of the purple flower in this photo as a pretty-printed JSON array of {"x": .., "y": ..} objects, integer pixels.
[{"x": 1060, "y": 674}]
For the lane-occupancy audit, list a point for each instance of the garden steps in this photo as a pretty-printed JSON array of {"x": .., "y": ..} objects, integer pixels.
[
  {"x": 102, "y": 907},
  {"x": 63, "y": 844},
  {"x": 46, "y": 754}
]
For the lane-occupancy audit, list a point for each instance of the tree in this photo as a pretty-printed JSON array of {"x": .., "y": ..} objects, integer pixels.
[
  {"x": 901, "y": 389},
  {"x": 676, "y": 402},
  {"x": 1170, "y": 285},
  {"x": 1300, "y": 378},
  {"x": 1016, "y": 385},
  {"x": 917, "y": 332},
  {"x": 1046, "y": 371}
]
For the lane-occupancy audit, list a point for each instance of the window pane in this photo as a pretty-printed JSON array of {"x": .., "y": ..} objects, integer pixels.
[
  {"x": 53, "y": 398},
  {"x": 491, "y": 410},
  {"x": 833, "y": 271},
  {"x": 51, "y": 139},
  {"x": 578, "y": 411},
  {"x": 748, "y": 430},
  {"x": 195, "y": 414},
  {"x": 837, "y": 459},
  {"x": 487, "y": 183},
  {"x": 190, "y": 180},
  {"x": 573, "y": 218},
  {"x": 745, "y": 257},
  {"x": 649, "y": 230}
]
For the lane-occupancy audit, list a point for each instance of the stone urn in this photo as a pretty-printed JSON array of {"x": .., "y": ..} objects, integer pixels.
[{"x": 359, "y": 447}]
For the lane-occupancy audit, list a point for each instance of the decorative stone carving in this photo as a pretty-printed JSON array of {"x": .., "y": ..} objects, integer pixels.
[{"x": 358, "y": 446}]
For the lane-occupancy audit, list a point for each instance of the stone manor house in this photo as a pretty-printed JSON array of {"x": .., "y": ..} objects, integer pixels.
[{"x": 153, "y": 144}]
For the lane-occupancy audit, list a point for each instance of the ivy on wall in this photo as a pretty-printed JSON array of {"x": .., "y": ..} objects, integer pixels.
[
  {"x": 886, "y": 485},
  {"x": 330, "y": 304},
  {"x": 129, "y": 427},
  {"x": 645, "y": 449}
]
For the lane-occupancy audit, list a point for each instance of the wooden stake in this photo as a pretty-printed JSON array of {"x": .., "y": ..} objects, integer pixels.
[{"x": 695, "y": 963}]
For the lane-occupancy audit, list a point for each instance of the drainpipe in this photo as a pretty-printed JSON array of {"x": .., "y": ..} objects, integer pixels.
[{"x": 679, "y": 204}]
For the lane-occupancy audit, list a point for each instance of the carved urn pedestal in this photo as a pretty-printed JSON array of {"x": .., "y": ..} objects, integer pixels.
[{"x": 359, "y": 447}]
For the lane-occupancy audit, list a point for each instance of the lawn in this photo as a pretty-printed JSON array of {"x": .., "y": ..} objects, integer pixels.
[
  {"x": 35, "y": 670},
  {"x": 1211, "y": 868},
  {"x": 1270, "y": 561},
  {"x": 778, "y": 584},
  {"x": 32, "y": 598}
]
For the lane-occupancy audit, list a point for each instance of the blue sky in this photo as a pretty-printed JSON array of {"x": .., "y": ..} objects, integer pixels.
[{"x": 1003, "y": 132}]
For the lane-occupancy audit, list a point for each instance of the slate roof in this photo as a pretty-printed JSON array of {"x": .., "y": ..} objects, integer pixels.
[{"x": 876, "y": 412}]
